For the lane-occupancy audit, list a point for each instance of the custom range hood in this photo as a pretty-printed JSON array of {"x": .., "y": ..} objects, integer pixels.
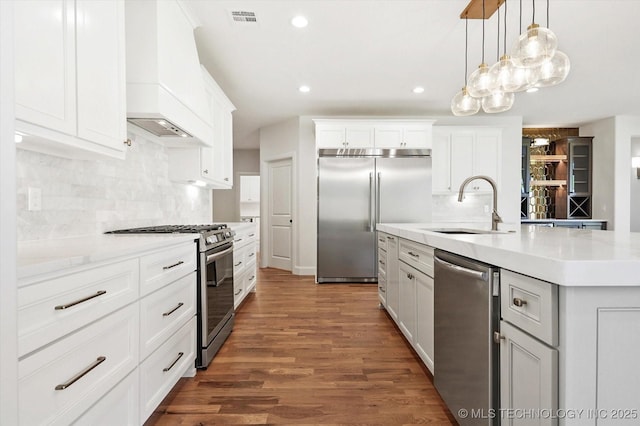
[{"x": 165, "y": 90}]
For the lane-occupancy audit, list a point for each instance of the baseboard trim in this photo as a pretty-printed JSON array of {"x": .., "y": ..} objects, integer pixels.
[{"x": 304, "y": 270}]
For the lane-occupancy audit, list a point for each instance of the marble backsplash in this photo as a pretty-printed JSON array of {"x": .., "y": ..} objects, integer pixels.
[
  {"x": 88, "y": 197},
  {"x": 474, "y": 208}
]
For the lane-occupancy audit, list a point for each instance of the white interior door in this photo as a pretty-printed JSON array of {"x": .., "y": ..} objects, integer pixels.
[{"x": 280, "y": 214}]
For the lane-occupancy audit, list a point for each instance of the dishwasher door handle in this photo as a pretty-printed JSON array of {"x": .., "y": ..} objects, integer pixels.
[{"x": 461, "y": 269}]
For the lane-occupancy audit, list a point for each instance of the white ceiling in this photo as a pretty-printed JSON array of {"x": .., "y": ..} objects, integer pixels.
[{"x": 364, "y": 57}]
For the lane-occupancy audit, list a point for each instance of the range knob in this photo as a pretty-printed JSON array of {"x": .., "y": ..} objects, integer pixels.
[{"x": 212, "y": 239}]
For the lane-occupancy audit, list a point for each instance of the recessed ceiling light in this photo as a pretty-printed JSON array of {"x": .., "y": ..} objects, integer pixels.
[
  {"x": 299, "y": 21},
  {"x": 304, "y": 89},
  {"x": 418, "y": 89},
  {"x": 532, "y": 90}
]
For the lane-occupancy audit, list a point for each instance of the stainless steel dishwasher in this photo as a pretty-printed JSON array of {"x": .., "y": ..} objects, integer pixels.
[{"x": 466, "y": 360}]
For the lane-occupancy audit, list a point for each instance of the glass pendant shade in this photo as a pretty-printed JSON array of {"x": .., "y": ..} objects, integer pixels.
[
  {"x": 498, "y": 101},
  {"x": 553, "y": 71},
  {"x": 464, "y": 104},
  {"x": 479, "y": 82},
  {"x": 534, "y": 47},
  {"x": 507, "y": 77}
]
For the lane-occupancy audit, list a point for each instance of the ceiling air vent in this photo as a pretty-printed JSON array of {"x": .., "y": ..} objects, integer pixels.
[{"x": 243, "y": 17}]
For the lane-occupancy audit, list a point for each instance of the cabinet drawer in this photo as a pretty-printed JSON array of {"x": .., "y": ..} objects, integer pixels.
[
  {"x": 251, "y": 277},
  {"x": 382, "y": 241},
  {"x": 417, "y": 255},
  {"x": 98, "y": 356},
  {"x": 382, "y": 263},
  {"x": 118, "y": 407},
  {"x": 162, "y": 313},
  {"x": 164, "y": 266},
  {"x": 239, "y": 260},
  {"x": 530, "y": 304},
  {"x": 52, "y": 308},
  {"x": 161, "y": 371},
  {"x": 245, "y": 236}
]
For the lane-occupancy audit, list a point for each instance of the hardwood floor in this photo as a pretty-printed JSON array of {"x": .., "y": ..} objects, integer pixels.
[{"x": 302, "y": 353}]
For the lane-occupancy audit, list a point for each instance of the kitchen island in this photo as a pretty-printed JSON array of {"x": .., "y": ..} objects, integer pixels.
[{"x": 570, "y": 319}]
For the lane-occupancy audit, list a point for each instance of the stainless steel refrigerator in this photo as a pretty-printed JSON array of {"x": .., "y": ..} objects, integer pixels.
[{"x": 357, "y": 189}]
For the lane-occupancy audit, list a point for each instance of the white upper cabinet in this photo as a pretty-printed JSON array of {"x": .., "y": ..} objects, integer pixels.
[
  {"x": 403, "y": 135},
  {"x": 383, "y": 133},
  {"x": 70, "y": 77},
  {"x": 461, "y": 152},
  {"x": 213, "y": 166}
]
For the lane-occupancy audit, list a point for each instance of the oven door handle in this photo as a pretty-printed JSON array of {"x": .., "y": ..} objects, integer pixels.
[{"x": 215, "y": 256}]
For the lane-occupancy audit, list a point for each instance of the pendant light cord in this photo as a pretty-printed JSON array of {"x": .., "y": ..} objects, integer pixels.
[
  {"x": 547, "y": 13},
  {"x": 483, "y": 32},
  {"x": 520, "y": 17},
  {"x": 504, "y": 44},
  {"x": 466, "y": 47},
  {"x": 533, "y": 17},
  {"x": 498, "y": 46}
]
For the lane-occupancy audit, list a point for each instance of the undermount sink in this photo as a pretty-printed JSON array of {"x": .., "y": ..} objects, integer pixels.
[{"x": 463, "y": 231}]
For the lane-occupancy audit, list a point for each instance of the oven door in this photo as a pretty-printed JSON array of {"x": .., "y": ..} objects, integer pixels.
[{"x": 217, "y": 291}]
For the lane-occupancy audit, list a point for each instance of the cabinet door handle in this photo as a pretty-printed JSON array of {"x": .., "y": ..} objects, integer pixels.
[
  {"x": 173, "y": 266},
  {"x": 519, "y": 302},
  {"x": 412, "y": 254},
  {"x": 205, "y": 171},
  {"x": 77, "y": 302},
  {"x": 238, "y": 264},
  {"x": 227, "y": 179},
  {"x": 81, "y": 374},
  {"x": 174, "y": 362},
  {"x": 497, "y": 337},
  {"x": 166, "y": 314}
]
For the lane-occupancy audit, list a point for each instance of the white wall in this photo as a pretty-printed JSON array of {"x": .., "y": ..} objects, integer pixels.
[
  {"x": 612, "y": 167},
  {"x": 8, "y": 289},
  {"x": 88, "y": 197},
  {"x": 635, "y": 188},
  {"x": 226, "y": 206}
]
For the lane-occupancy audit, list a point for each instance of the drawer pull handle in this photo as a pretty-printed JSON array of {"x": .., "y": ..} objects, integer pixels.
[
  {"x": 381, "y": 262},
  {"x": 497, "y": 337},
  {"x": 382, "y": 289},
  {"x": 81, "y": 374},
  {"x": 252, "y": 235},
  {"x": 252, "y": 277},
  {"x": 238, "y": 264},
  {"x": 237, "y": 292},
  {"x": 166, "y": 314},
  {"x": 238, "y": 240},
  {"x": 412, "y": 254},
  {"x": 252, "y": 254},
  {"x": 519, "y": 302},
  {"x": 173, "y": 266},
  {"x": 410, "y": 276},
  {"x": 390, "y": 238},
  {"x": 381, "y": 240},
  {"x": 174, "y": 362},
  {"x": 68, "y": 305}
]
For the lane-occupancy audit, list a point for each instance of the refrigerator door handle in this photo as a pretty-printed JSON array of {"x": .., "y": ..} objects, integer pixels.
[
  {"x": 378, "y": 198},
  {"x": 371, "y": 227}
]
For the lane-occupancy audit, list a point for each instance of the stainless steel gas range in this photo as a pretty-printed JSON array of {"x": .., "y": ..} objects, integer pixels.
[{"x": 215, "y": 313}]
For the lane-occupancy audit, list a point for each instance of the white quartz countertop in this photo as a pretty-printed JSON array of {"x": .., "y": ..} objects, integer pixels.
[
  {"x": 568, "y": 257},
  {"x": 240, "y": 225},
  {"x": 46, "y": 256}
]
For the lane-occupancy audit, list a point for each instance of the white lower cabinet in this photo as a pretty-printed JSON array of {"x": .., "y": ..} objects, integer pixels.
[
  {"x": 409, "y": 293},
  {"x": 60, "y": 382},
  {"x": 528, "y": 377},
  {"x": 104, "y": 343},
  {"x": 118, "y": 407},
  {"x": 407, "y": 308},
  {"x": 161, "y": 371},
  {"x": 424, "y": 319},
  {"x": 245, "y": 262}
]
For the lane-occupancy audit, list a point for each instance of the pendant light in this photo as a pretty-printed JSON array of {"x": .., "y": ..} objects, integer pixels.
[
  {"x": 498, "y": 100},
  {"x": 535, "y": 46},
  {"x": 505, "y": 75},
  {"x": 556, "y": 69},
  {"x": 462, "y": 103},
  {"x": 479, "y": 81}
]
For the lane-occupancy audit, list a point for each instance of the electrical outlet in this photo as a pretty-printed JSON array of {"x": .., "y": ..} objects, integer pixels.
[
  {"x": 34, "y": 199},
  {"x": 486, "y": 208}
]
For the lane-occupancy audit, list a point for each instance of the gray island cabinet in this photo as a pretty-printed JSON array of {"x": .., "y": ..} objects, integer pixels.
[{"x": 570, "y": 319}]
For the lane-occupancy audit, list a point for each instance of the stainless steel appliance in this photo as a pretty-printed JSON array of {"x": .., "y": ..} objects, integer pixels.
[
  {"x": 358, "y": 188},
  {"x": 215, "y": 312},
  {"x": 466, "y": 359}
]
